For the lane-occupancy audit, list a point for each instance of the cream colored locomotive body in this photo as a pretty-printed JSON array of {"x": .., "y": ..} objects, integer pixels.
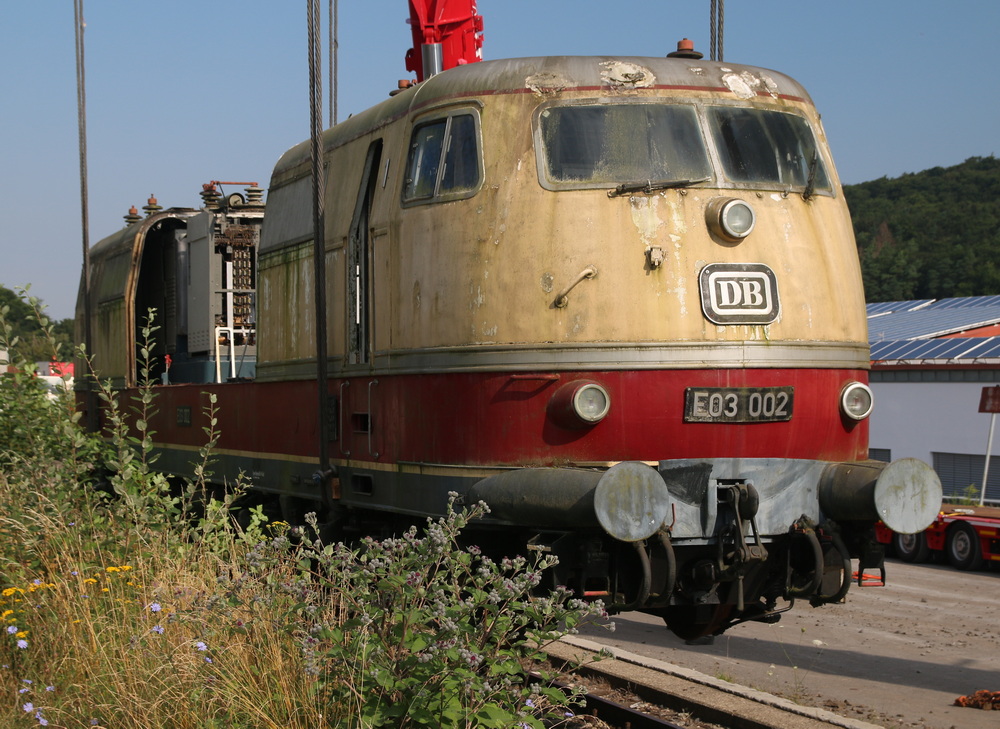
[{"x": 474, "y": 281}]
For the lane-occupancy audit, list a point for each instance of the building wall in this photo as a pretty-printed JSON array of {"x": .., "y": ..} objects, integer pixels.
[
  {"x": 916, "y": 419},
  {"x": 919, "y": 419}
]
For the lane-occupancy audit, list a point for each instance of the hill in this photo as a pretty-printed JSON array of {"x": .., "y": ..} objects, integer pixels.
[{"x": 930, "y": 234}]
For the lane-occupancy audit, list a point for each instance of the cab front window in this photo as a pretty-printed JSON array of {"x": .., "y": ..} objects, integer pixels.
[
  {"x": 597, "y": 145},
  {"x": 767, "y": 148}
]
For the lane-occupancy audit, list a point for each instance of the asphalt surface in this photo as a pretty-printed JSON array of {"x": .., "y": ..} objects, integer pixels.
[{"x": 895, "y": 656}]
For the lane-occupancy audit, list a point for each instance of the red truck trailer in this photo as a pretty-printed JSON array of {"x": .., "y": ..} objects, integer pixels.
[{"x": 969, "y": 536}]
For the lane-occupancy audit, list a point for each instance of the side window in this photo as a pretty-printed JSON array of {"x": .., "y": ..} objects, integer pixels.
[{"x": 444, "y": 161}]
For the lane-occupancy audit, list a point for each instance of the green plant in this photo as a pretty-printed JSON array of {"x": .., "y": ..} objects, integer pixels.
[
  {"x": 969, "y": 496},
  {"x": 428, "y": 632},
  {"x": 146, "y": 605}
]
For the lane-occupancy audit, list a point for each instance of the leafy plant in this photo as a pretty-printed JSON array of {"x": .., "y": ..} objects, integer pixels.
[
  {"x": 146, "y": 605},
  {"x": 431, "y": 633}
]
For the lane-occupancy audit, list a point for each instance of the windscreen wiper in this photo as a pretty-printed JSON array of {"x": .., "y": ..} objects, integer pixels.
[
  {"x": 811, "y": 181},
  {"x": 652, "y": 185}
]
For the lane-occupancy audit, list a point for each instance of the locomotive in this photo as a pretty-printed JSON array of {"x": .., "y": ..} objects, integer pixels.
[{"x": 618, "y": 299}]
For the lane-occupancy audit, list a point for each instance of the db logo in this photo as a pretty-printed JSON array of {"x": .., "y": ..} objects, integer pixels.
[{"x": 739, "y": 293}]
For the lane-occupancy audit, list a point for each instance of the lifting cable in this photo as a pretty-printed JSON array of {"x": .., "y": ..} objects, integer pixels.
[
  {"x": 717, "y": 21},
  {"x": 319, "y": 247}
]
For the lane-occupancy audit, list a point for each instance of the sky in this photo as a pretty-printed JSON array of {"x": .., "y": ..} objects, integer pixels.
[{"x": 182, "y": 92}]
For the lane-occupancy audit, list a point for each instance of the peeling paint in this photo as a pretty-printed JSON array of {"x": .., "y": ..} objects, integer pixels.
[
  {"x": 645, "y": 218},
  {"x": 746, "y": 85},
  {"x": 546, "y": 83},
  {"x": 547, "y": 283},
  {"x": 624, "y": 75},
  {"x": 478, "y": 299}
]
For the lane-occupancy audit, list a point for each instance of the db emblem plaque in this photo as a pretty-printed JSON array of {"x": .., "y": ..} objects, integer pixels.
[{"x": 739, "y": 293}]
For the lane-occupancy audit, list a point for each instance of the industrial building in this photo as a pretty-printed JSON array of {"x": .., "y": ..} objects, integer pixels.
[{"x": 931, "y": 362}]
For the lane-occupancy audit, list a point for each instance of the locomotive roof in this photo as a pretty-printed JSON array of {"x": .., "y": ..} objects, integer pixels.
[{"x": 548, "y": 75}]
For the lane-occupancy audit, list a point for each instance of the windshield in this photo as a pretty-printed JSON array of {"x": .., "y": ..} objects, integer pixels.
[
  {"x": 761, "y": 146},
  {"x": 595, "y": 146},
  {"x": 645, "y": 147}
]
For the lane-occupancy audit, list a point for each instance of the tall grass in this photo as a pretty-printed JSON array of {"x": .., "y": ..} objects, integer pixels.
[{"x": 143, "y": 604}]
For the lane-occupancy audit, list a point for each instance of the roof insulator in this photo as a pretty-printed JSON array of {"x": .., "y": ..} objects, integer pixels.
[
  {"x": 210, "y": 196},
  {"x": 151, "y": 207},
  {"x": 685, "y": 49},
  {"x": 255, "y": 195},
  {"x": 133, "y": 216}
]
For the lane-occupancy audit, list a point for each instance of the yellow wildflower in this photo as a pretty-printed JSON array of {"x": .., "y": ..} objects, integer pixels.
[
  {"x": 11, "y": 591},
  {"x": 113, "y": 569},
  {"x": 21, "y": 634},
  {"x": 90, "y": 581}
]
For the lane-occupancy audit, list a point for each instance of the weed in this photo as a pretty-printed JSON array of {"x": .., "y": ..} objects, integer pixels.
[{"x": 146, "y": 605}]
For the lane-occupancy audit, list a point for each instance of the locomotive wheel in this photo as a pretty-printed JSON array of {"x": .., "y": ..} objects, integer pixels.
[
  {"x": 911, "y": 547},
  {"x": 688, "y": 622},
  {"x": 963, "y": 547}
]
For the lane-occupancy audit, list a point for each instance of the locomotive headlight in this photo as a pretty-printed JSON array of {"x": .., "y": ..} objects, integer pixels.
[
  {"x": 730, "y": 218},
  {"x": 591, "y": 402},
  {"x": 856, "y": 401},
  {"x": 579, "y": 404}
]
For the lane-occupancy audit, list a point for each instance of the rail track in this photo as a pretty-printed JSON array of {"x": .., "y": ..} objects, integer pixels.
[{"x": 649, "y": 693}]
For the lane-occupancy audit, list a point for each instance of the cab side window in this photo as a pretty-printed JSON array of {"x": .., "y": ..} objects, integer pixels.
[{"x": 444, "y": 160}]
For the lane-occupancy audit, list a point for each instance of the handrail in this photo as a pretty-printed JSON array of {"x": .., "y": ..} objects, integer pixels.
[{"x": 561, "y": 300}]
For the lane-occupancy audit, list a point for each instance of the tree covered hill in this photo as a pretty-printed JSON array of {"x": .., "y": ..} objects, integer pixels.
[{"x": 931, "y": 234}]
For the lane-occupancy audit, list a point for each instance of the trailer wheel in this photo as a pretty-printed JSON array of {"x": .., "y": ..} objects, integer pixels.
[
  {"x": 911, "y": 547},
  {"x": 963, "y": 547}
]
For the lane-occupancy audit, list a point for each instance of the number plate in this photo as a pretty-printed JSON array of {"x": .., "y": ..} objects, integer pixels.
[{"x": 738, "y": 404}]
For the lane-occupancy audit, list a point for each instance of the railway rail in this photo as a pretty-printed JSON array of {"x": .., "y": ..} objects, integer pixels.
[{"x": 691, "y": 699}]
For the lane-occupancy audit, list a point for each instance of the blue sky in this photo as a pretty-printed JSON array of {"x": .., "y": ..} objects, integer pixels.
[{"x": 187, "y": 91}]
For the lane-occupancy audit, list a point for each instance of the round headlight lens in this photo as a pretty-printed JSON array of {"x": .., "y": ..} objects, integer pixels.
[
  {"x": 730, "y": 218},
  {"x": 591, "y": 402},
  {"x": 857, "y": 401},
  {"x": 737, "y": 219}
]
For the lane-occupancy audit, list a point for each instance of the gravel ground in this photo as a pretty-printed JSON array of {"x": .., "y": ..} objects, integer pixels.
[{"x": 897, "y": 656}]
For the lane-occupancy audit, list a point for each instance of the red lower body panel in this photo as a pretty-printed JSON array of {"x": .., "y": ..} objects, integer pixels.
[{"x": 497, "y": 419}]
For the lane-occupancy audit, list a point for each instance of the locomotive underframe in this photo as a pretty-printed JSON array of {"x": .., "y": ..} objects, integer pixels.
[{"x": 709, "y": 565}]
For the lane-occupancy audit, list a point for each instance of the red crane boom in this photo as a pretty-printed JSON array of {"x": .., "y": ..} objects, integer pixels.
[{"x": 446, "y": 33}]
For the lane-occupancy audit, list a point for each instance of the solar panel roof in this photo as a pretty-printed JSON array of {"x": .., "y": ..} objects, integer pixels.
[
  {"x": 937, "y": 351},
  {"x": 914, "y": 331},
  {"x": 929, "y": 318}
]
